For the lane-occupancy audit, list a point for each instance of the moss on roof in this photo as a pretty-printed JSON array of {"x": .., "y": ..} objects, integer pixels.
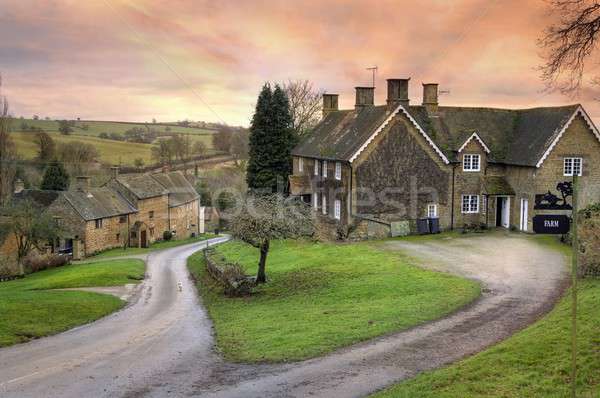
[{"x": 514, "y": 136}]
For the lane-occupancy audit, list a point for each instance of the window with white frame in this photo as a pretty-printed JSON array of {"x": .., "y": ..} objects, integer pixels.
[
  {"x": 471, "y": 162},
  {"x": 315, "y": 200},
  {"x": 324, "y": 204},
  {"x": 316, "y": 167},
  {"x": 337, "y": 209},
  {"x": 338, "y": 171},
  {"x": 324, "y": 169},
  {"x": 470, "y": 204},
  {"x": 300, "y": 165},
  {"x": 432, "y": 210},
  {"x": 573, "y": 166}
]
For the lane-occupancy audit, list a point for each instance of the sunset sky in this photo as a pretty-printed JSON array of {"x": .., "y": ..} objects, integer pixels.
[{"x": 206, "y": 60}]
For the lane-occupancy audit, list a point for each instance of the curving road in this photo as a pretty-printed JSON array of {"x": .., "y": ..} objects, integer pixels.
[{"x": 162, "y": 345}]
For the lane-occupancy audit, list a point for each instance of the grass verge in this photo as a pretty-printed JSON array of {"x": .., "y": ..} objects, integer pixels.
[
  {"x": 118, "y": 252},
  {"x": 533, "y": 363},
  {"x": 30, "y": 309},
  {"x": 323, "y": 296}
]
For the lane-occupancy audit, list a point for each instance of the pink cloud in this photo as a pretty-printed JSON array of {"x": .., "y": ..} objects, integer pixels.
[{"x": 136, "y": 61}]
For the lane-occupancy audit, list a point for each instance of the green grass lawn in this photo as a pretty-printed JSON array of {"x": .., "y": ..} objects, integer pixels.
[
  {"x": 29, "y": 309},
  {"x": 118, "y": 252},
  {"x": 323, "y": 296},
  {"x": 533, "y": 363}
]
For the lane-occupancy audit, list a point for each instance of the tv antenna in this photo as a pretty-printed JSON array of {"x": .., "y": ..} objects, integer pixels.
[{"x": 374, "y": 70}]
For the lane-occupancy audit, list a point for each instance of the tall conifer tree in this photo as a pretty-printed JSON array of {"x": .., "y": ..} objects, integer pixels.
[{"x": 271, "y": 141}]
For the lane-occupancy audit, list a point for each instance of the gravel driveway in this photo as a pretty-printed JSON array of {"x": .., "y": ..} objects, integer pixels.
[{"x": 163, "y": 345}]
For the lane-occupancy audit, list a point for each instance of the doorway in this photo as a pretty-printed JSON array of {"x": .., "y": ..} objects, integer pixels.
[
  {"x": 503, "y": 211},
  {"x": 143, "y": 241}
]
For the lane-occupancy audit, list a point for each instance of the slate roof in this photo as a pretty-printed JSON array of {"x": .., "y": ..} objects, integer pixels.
[
  {"x": 514, "y": 136},
  {"x": 181, "y": 191},
  {"x": 143, "y": 186},
  {"x": 98, "y": 203},
  {"x": 341, "y": 133}
]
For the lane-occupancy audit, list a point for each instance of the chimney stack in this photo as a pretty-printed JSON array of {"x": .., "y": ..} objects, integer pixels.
[
  {"x": 330, "y": 103},
  {"x": 82, "y": 183},
  {"x": 19, "y": 185},
  {"x": 365, "y": 96},
  {"x": 115, "y": 172},
  {"x": 397, "y": 93},
  {"x": 430, "y": 96}
]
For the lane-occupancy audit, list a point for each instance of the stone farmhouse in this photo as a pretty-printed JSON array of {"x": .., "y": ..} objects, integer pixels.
[
  {"x": 133, "y": 210},
  {"x": 376, "y": 170}
]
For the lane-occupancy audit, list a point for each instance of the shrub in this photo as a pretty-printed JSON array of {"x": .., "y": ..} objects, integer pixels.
[
  {"x": 167, "y": 235},
  {"x": 589, "y": 241},
  {"x": 8, "y": 267},
  {"x": 34, "y": 263}
]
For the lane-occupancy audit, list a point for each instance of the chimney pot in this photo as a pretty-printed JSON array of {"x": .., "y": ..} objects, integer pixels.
[
  {"x": 397, "y": 93},
  {"x": 330, "y": 103},
  {"x": 365, "y": 96},
  {"x": 430, "y": 96},
  {"x": 83, "y": 183}
]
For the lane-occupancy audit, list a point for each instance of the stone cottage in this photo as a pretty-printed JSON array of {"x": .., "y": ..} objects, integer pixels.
[
  {"x": 133, "y": 210},
  {"x": 151, "y": 200},
  {"x": 376, "y": 170}
]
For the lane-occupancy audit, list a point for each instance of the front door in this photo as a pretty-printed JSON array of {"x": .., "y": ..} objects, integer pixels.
[
  {"x": 143, "y": 242},
  {"x": 503, "y": 211},
  {"x": 524, "y": 214}
]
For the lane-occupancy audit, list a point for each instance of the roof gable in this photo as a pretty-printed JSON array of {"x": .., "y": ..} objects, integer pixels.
[
  {"x": 560, "y": 133},
  {"x": 474, "y": 136}
]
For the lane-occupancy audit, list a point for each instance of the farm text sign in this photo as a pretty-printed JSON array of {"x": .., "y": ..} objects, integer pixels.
[{"x": 551, "y": 224}]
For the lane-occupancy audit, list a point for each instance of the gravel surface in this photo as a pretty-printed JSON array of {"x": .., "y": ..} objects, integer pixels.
[{"x": 162, "y": 344}]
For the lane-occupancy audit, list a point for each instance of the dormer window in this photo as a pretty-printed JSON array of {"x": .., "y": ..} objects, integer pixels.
[{"x": 471, "y": 162}]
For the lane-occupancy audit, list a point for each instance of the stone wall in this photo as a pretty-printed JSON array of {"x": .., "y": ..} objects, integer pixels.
[
  {"x": 183, "y": 219},
  {"x": 329, "y": 186},
  {"x": 109, "y": 236},
  {"x": 469, "y": 183},
  {"x": 157, "y": 222},
  {"x": 399, "y": 175}
]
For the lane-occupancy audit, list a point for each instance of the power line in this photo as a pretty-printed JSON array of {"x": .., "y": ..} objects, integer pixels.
[{"x": 163, "y": 60}]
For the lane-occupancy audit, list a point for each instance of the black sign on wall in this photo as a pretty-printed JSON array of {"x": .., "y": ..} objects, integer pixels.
[{"x": 551, "y": 224}]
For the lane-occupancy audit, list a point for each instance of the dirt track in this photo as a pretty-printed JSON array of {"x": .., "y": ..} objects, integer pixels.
[{"x": 162, "y": 345}]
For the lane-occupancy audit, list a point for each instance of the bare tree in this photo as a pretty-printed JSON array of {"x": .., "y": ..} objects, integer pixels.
[
  {"x": 31, "y": 226},
  {"x": 46, "y": 147},
  {"x": 8, "y": 151},
  {"x": 261, "y": 219},
  {"x": 305, "y": 105},
  {"x": 239, "y": 148},
  {"x": 568, "y": 43}
]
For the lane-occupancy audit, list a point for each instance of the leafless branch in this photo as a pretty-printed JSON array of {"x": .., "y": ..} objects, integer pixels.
[{"x": 569, "y": 43}]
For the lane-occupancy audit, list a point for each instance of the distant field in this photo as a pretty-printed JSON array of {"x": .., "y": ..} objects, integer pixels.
[
  {"x": 95, "y": 128},
  {"x": 111, "y": 152}
]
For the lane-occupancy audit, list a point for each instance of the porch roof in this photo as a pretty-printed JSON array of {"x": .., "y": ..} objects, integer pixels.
[{"x": 497, "y": 185}]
